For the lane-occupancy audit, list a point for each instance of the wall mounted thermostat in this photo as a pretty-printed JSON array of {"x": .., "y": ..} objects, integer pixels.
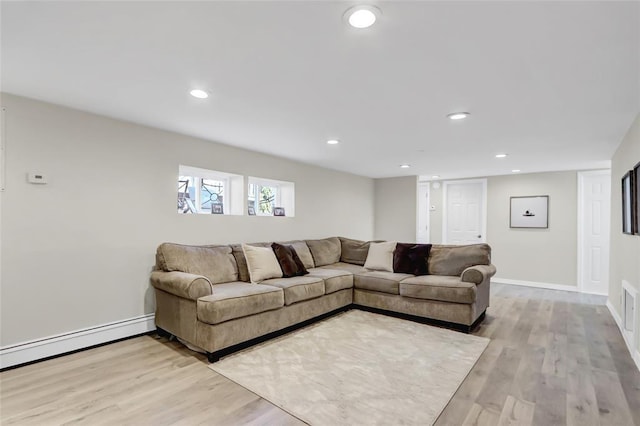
[{"x": 36, "y": 178}]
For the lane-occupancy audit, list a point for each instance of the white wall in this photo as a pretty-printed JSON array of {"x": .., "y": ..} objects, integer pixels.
[
  {"x": 77, "y": 252},
  {"x": 546, "y": 256},
  {"x": 538, "y": 255},
  {"x": 625, "y": 249},
  {"x": 396, "y": 208}
]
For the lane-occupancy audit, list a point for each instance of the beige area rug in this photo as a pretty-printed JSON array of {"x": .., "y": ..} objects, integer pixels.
[{"x": 358, "y": 368}]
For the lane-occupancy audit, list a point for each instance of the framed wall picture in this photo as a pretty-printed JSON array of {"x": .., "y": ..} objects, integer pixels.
[
  {"x": 628, "y": 207},
  {"x": 217, "y": 209},
  {"x": 529, "y": 212},
  {"x": 636, "y": 198},
  {"x": 278, "y": 211}
]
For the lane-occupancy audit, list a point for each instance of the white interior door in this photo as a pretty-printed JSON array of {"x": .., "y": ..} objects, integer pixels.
[
  {"x": 594, "y": 210},
  {"x": 422, "y": 224},
  {"x": 465, "y": 212}
]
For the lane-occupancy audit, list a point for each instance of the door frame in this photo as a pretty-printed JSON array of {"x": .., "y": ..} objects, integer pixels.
[
  {"x": 445, "y": 191},
  {"x": 580, "y": 223},
  {"x": 423, "y": 184}
]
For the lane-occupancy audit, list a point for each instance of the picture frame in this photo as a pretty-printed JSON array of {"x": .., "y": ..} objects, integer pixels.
[
  {"x": 529, "y": 212},
  {"x": 636, "y": 198},
  {"x": 629, "y": 219},
  {"x": 251, "y": 211},
  {"x": 217, "y": 209},
  {"x": 278, "y": 211}
]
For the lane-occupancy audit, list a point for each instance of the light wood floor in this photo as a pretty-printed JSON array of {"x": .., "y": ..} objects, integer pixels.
[{"x": 555, "y": 358}]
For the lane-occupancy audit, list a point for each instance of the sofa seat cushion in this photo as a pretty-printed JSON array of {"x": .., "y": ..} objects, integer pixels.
[
  {"x": 238, "y": 299},
  {"x": 297, "y": 289},
  {"x": 439, "y": 287},
  {"x": 334, "y": 279},
  {"x": 382, "y": 281},
  {"x": 354, "y": 269}
]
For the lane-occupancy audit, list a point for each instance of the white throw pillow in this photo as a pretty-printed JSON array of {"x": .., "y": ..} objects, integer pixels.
[
  {"x": 261, "y": 263},
  {"x": 380, "y": 257}
]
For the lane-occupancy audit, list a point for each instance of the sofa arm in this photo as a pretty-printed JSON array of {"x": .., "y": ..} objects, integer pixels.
[
  {"x": 182, "y": 284},
  {"x": 478, "y": 273}
]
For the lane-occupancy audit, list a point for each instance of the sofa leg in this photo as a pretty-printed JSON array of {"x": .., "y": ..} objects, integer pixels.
[
  {"x": 165, "y": 334},
  {"x": 212, "y": 357},
  {"x": 476, "y": 322}
]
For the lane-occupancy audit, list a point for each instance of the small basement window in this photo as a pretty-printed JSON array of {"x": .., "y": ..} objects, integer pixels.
[
  {"x": 268, "y": 197},
  {"x": 202, "y": 191}
]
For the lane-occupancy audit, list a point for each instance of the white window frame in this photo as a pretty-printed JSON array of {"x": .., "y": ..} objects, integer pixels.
[
  {"x": 197, "y": 174},
  {"x": 285, "y": 194}
]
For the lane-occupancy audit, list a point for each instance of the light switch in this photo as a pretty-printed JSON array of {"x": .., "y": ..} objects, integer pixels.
[{"x": 36, "y": 178}]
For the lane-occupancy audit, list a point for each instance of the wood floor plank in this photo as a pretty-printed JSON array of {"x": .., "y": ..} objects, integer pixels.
[
  {"x": 527, "y": 376},
  {"x": 555, "y": 358},
  {"x": 628, "y": 375},
  {"x": 540, "y": 324},
  {"x": 456, "y": 412},
  {"x": 498, "y": 385},
  {"x": 551, "y": 401},
  {"x": 582, "y": 406},
  {"x": 481, "y": 416},
  {"x": 516, "y": 412},
  {"x": 612, "y": 403}
]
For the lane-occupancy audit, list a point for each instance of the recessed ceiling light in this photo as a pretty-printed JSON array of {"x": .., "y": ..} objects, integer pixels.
[
  {"x": 404, "y": 166},
  {"x": 501, "y": 155},
  {"x": 362, "y": 16},
  {"x": 515, "y": 171},
  {"x": 200, "y": 94},
  {"x": 333, "y": 141},
  {"x": 457, "y": 115},
  {"x": 435, "y": 177}
]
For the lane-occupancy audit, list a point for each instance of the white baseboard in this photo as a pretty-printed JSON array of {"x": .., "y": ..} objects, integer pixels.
[
  {"x": 62, "y": 343},
  {"x": 614, "y": 314},
  {"x": 549, "y": 286},
  {"x": 635, "y": 354}
]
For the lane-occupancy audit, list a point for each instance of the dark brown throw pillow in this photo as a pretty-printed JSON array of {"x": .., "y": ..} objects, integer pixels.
[
  {"x": 289, "y": 261},
  {"x": 411, "y": 258}
]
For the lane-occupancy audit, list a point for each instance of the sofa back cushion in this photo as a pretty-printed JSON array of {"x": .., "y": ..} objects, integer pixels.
[
  {"x": 289, "y": 261},
  {"x": 303, "y": 252},
  {"x": 214, "y": 262},
  {"x": 410, "y": 258},
  {"x": 354, "y": 251},
  {"x": 262, "y": 263},
  {"x": 326, "y": 251},
  {"x": 452, "y": 260}
]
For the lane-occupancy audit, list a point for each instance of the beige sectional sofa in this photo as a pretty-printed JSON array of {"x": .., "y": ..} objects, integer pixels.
[{"x": 204, "y": 295}]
